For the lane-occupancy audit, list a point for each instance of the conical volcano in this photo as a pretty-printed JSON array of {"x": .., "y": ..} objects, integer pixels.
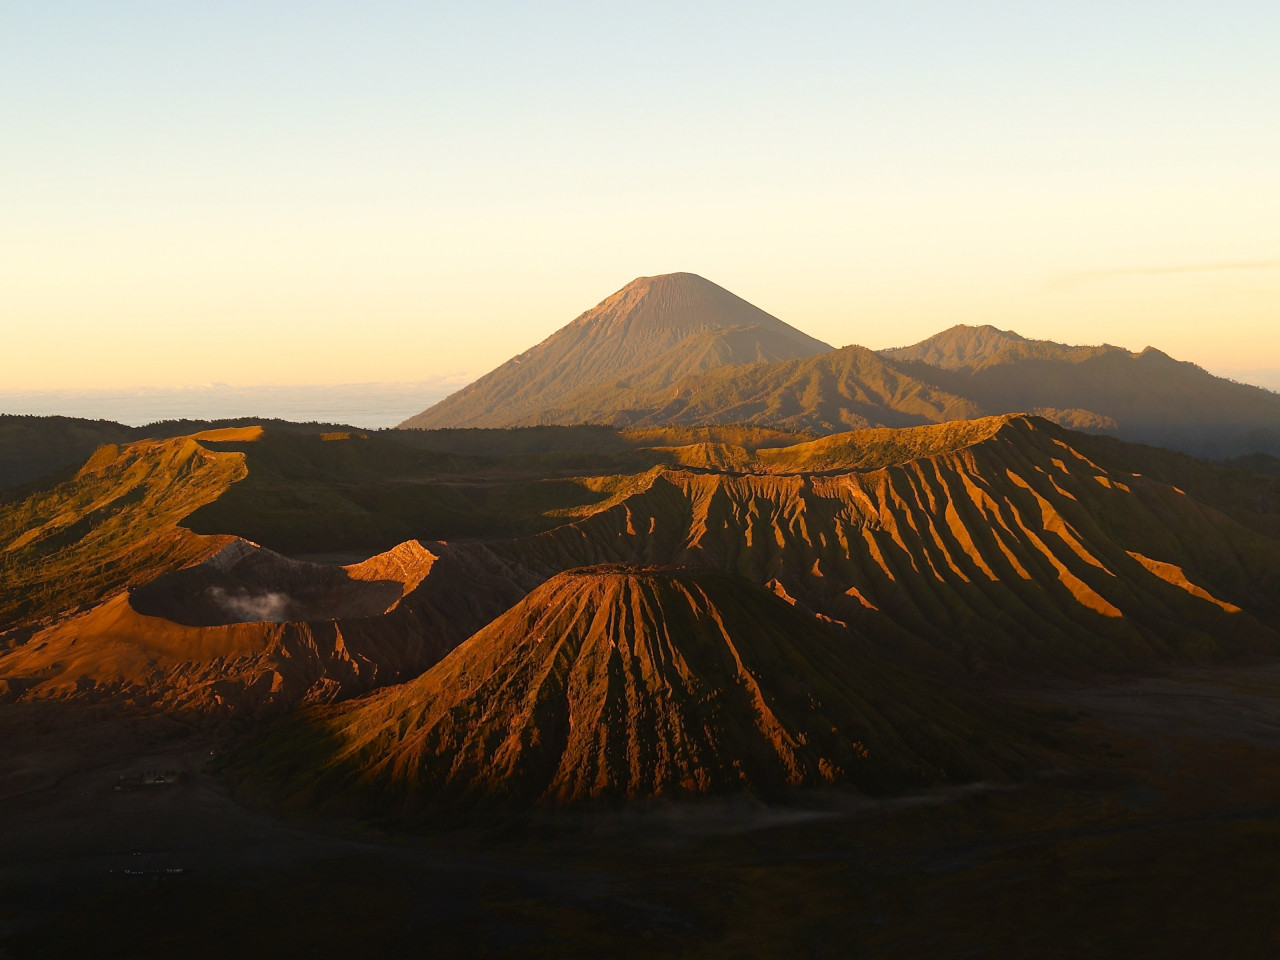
[
  {"x": 632, "y": 682},
  {"x": 649, "y": 334}
]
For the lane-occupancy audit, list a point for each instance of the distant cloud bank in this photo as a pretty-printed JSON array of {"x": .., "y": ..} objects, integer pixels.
[
  {"x": 1268, "y": 377},
  {"x": 370, "y": 405}
]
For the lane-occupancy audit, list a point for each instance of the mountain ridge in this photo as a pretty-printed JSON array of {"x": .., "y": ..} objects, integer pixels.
[
  {"x": 717, "y": 371},
  {"x": 1001, "y": 546},
  {"x": 1145, "y": 396}
]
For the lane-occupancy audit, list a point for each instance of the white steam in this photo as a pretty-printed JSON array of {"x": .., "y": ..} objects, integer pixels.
[{"x": 247, "y": 607}]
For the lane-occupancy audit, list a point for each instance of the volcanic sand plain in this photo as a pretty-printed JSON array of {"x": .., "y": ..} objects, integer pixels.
[{"x": 1164, "y": 807}]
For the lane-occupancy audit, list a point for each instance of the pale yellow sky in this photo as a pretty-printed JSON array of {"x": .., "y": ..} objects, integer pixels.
[{"x": 212, "y": 199}]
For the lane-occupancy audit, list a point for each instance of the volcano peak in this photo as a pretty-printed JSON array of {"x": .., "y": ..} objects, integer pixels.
[{"x": 650, "y": 333}]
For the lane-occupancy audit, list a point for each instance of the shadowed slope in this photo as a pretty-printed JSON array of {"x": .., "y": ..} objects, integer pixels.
[
  {"x": 967, "y": 349},
  {"x": 39, "y": 452},
  {"x": 631, "y": 682},
  {"x": 652, "y": 332},
  {"x": 1147, "y": 396},
  {"x": 32, "y": 447},
  {"x": 844, "y": 389},
  {"x": 1258, "y": 463},
  {"x": 357, "y": 493}
]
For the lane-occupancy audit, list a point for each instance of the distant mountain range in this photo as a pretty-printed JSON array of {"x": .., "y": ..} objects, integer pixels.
[{"x": 680, "y": 350}]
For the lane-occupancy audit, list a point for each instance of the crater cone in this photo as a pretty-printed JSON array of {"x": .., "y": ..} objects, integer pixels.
[
  {"x": 620, "y": 682},
  {"x": 244, "y": 583}
]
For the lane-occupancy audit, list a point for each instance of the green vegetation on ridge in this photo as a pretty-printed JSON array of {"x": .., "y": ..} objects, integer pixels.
[{"x": 114, "y": 523}]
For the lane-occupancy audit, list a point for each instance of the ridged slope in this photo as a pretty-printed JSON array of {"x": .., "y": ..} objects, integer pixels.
[
  {"x": 653, "y": 331},
  {"x": 632, "y": 682},
  {"x": 1016, "y": 549},
  {"x": 847, "y": 389},
  {"x": 1004, "y": 542}
]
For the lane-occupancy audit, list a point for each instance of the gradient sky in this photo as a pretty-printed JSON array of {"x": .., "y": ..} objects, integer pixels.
[{"x": 334, "y": 192}]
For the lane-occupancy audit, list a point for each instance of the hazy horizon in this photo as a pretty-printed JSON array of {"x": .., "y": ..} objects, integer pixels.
[{"x": 372, "y": 406}]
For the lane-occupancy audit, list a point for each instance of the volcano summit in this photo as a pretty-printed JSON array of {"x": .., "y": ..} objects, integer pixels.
[{"x": 648, "y": 335}]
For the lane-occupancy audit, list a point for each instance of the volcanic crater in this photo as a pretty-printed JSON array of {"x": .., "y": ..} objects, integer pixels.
[{"x": 245, "y": 583}]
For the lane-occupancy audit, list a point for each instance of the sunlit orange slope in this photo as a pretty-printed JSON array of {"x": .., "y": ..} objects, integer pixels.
[{"x": 635, "y": 682}]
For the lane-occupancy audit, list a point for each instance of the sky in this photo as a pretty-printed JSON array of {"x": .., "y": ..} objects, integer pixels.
[{"x": 326, "y": 192}]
